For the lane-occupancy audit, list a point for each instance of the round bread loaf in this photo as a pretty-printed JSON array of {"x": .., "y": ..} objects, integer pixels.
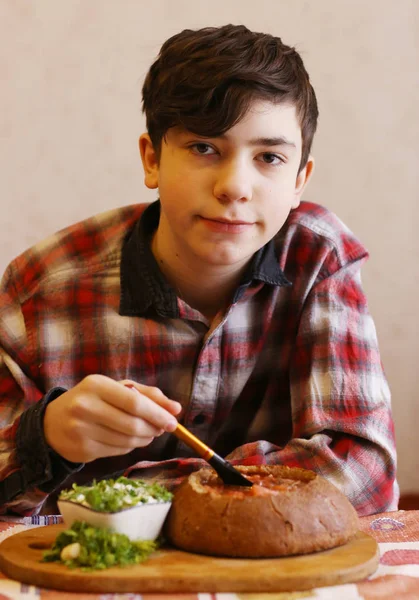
[{"x": 287, "y": 511}]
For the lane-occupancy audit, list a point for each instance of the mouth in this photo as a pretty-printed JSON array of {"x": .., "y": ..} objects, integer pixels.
[{"x": 222, "y": 225}]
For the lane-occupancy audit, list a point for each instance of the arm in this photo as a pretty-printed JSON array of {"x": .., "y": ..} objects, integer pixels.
[
  {"x": 26, "y": 462},
  {"x": 340, "y": 401},
  {"x": 47, "y": 436}
]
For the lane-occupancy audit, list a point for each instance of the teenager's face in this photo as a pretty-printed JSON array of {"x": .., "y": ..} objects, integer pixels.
[{"x": 223, "y": 198}]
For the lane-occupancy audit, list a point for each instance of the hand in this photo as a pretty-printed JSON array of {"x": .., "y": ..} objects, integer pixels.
[{"x": 102, "y": 417}]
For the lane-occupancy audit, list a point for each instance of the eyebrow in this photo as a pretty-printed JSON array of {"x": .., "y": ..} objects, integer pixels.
[
  {"x": 271, "y": 141},
  {"x": 267, "y": 141}
]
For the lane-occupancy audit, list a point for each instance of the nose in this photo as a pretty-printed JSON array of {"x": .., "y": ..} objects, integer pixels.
[{"x": 233, "y": 183}]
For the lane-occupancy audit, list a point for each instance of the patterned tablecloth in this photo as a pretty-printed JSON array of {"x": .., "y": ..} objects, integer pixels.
[{"x": 397, "y": 577}]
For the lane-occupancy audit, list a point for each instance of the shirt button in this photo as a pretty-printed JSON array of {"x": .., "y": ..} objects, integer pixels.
[{"x": 199, "y": 419}]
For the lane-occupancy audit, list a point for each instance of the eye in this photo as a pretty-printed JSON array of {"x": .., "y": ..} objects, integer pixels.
[
  {"x": 202, "y": 149},
  {"x": 270, "y": 158}
]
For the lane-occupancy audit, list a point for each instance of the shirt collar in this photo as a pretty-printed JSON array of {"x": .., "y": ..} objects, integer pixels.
[{"x": 143, "y": 285}]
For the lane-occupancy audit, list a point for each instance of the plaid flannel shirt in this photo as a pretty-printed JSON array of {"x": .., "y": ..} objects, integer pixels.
[{"x": 289, "y": 374}]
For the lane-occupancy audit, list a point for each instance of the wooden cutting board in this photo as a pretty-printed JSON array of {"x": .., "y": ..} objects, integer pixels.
[{"x": 171, "y": 570}]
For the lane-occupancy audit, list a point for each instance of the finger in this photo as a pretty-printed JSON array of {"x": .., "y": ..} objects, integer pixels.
[
  {"x": 103, "y": 450},
  {"x": 155, "y": 394},
  {"x": 150, "y": 410},
  {"x": 96, "y": 413},
  {"x": 88, "y": 443},
  {"x": 119, "y": 396},
  {"x": 109, "y": 437}
]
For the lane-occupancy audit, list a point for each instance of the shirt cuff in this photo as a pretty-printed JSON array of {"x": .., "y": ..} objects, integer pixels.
[{"x": 41, "y": 466}]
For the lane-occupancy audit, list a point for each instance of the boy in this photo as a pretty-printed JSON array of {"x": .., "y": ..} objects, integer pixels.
[{"x": 231, "y": 306}]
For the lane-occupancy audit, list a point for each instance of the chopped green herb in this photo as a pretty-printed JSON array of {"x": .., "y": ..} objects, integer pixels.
[
  {"x": 111, "y": 495},
  {"x": 91, "y": 548}
]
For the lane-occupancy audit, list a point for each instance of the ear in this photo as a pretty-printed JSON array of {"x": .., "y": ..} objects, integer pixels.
[
  {"x": 303, "y": 178},
  {"x": 150, "y": 161}
]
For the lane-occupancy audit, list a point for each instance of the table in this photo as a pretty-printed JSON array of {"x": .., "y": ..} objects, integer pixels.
[{"x": 397, "y": 577}]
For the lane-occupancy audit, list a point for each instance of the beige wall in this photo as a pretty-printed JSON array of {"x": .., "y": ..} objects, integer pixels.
[{"x": 70, "y": 80}]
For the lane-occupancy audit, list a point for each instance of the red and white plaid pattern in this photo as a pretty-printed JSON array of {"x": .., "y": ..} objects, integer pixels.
[{"x": 288, "y": 375}]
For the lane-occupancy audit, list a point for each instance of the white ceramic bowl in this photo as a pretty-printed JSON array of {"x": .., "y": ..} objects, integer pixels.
[{"x": 139, "y": 522}]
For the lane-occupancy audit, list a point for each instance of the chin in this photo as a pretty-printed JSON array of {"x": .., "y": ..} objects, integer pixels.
[{"x": 226, "y": 259}]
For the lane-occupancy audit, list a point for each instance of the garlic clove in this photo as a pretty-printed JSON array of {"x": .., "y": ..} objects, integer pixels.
[{"x": 70, "y": 552}]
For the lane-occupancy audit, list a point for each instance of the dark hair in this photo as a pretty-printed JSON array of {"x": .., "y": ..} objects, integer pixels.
[{"x": 205, "y": 80}]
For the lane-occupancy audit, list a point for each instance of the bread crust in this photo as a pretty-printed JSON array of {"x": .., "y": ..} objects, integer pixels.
[{"x": 309, "y": 514}]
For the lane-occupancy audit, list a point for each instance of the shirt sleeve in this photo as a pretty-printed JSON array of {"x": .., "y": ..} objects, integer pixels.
[
  {"x": 342, "y": 425},
  {"x": 29, "y": 469}
]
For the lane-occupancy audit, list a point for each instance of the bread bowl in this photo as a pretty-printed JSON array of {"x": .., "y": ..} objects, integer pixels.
[{"x": 287, "y": 511}]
